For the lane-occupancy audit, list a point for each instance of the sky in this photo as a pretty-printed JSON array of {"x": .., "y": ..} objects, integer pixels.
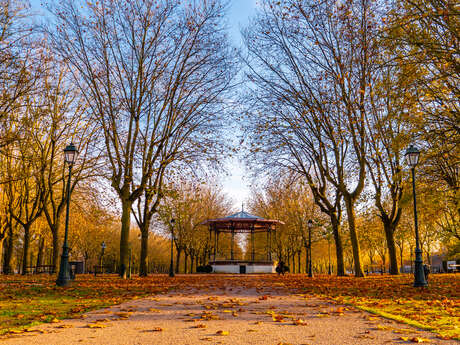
[{"x": 235, "y": 184}]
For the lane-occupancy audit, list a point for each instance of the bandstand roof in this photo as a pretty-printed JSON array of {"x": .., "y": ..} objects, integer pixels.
[{"x": 242, "y": 222}]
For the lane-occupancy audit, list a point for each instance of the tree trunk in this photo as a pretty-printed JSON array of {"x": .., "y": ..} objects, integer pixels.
[
  {"x": 25, "y": 252},
  {"x": 124, "y": 238},
  {"x": 389, "y": 234},
  {"x": 178, "y": 253},
  {"x": 2, "y": 251},
  {"x": 143, "y": 269},
  {"x": 191, "y": 263},
  {"x": 186, "y": 262},
  {"x": 338, "y": 245},
  {"x": 354, "y": 236},
  {"x": 401, "y": 253},
  {"x": 55, "y": 234},
  {"x": 8, "y": 254},
  {"x": 306, "y": 259},
  {"x": 298, "y": 261},
  {"x": 41, "y": 248}
]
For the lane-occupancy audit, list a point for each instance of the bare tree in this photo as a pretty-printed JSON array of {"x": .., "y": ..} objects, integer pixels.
[
  {"x": 63, "y": 120},
  {"x": 190, "y": 203},
  {"x": 20, "y": 63},
  {"x": 24, "y": 192},
  {"x": 310, "y": 64},
  {"x": 152, "y": 73}
]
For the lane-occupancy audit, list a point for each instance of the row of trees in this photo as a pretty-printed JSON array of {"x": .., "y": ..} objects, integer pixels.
[
  {"x": 139, "y": 86},
  {"x": 290, "y": 200},
  {"x": 338, "y": 90}
]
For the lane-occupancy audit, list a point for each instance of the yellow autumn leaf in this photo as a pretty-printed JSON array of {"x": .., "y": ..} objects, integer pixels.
[
  {"x": 299, "y": 322},
  {"x": 96, "y": 325},
  {"x": 64, "y": 326},
  {"x": 419, "y": 340},
  {"x": 200, "y": 325}
]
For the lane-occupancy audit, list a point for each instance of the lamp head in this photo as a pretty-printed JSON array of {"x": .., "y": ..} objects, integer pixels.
[
  {"x": 412, "y": 155},
  {"x": 70, "y": 154}
]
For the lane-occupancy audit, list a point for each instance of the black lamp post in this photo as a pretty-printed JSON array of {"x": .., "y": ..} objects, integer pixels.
[
  {"x": 310, "y": 225},
  {"x": 412, "y": 155},
  {"x": 70, "y": 154},
  {"x": 171, "y": 265},
  {"x": 103, "y": 246},
  {"x": 329, "y": 253},
  {"x": 130, "y": 261}
]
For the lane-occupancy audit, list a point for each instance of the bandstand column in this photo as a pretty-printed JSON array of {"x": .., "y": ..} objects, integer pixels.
[
  {"x": 233, "y": 241},
  {"x": 215, "y": 244},
  {"x": 210, "y": 239},
  {"x": 253, "y": 247},
  {"x": 267, "y": 246},
  {"x": 270, "y": 245}
]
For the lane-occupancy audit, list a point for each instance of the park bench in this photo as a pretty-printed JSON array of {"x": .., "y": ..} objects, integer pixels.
[
  {"x": 453, "y": 267},
  {"x": 44, "y": 269},
  {"x": 39, "y": 269}
]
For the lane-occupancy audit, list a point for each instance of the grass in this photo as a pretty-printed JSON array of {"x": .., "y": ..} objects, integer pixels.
[
  {"x": 28, "y": 300},
  {"x": 435, "y": 308}
]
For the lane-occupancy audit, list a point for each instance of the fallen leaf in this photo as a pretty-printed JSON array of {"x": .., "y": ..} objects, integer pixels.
[
  {"x": 277, "y": 318},
  {"x": 64, "y": 326},
  {"x": 299, "y": 322},
  {"x": 96, "y": 325},
  {"x": 200, "y": 325},
  {"x": 419, "y": 340}
]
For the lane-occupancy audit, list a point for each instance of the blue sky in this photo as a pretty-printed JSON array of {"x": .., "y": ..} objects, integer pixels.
[
  {"x": 240, "y": 12},
  {"x": 235, "y": 185}
]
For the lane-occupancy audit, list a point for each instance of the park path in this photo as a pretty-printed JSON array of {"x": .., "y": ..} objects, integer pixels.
[{"x": 228, "y": 314}]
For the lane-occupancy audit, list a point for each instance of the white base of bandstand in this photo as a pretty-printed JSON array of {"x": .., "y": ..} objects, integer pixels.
[{"x": 242, "y": 267}]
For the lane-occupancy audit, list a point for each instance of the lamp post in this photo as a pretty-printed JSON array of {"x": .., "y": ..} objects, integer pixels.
[
  {"x": 310, "y": 225},
  {"x": 171, "y": 265},
  {"x": 103, "y": 246},
  {"x": 70, "y": 154},
  {"x": 412, "y": 155},
  {"x": 129, "y": 262},
  {"x": 329, "y": 253}
]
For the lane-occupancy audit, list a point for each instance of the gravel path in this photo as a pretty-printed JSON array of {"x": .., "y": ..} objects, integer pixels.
[{"x": 231, "y": 315}]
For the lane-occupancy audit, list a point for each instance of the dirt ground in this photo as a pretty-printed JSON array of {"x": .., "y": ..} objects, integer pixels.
[{"x": 230, "y": 315}]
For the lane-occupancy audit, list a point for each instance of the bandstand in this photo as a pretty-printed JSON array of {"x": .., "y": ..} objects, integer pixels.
[{"x": 242, "y": 223}]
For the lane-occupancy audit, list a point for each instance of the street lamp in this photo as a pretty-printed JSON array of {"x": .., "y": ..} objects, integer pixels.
[
  {"x": 70, "y": 155},
  {"x": 412, "y": 155},
  {"x": 103, "y": 246},
  {"x": 310, "y": 225},
  {"x": 171, "y": 265}
]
